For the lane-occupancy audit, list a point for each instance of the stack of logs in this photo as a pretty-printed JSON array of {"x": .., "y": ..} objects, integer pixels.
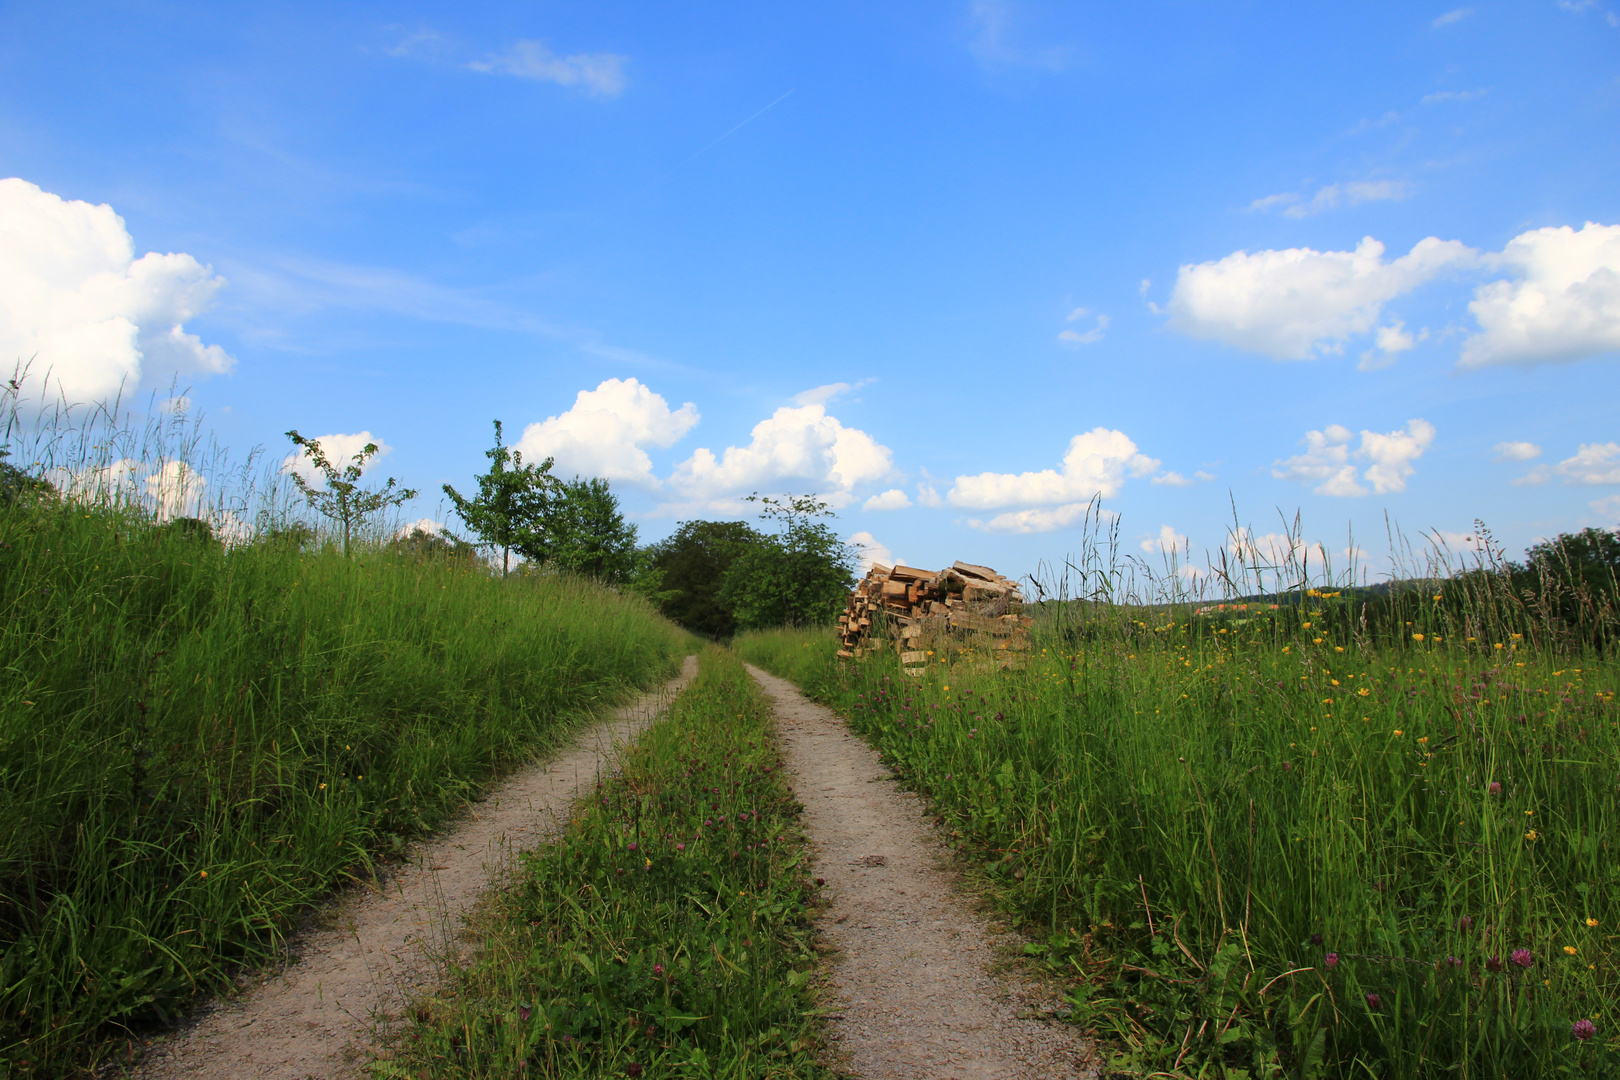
[{"x": 933, "y": 614}]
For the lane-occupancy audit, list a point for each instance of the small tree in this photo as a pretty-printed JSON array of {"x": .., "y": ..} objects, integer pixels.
[
  {"x": 507, "y": 512},
  {"x": 342, "y": 499},
  {"x": 582, "y": 529},
  {"x": 799, "y": 577},
  {"x": 692, "y": 563}
]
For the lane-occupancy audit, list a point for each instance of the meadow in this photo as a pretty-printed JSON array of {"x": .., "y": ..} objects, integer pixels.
[
  {"x": 200, "y": 740},
  {"x": 1259, "y": 839},
  {"x": 665, "y": 934}
]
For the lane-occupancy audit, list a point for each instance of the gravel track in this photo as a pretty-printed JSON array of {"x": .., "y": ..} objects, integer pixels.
[
  {"x": 381, "y": 946},
  {"x": 912, "y": 986}
]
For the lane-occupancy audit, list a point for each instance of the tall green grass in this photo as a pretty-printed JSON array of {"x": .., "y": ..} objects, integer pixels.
[
  {"x": 197, "y": 741},
  {"x": 664, "y": 935},
  {"x": 1264, "y": 843}
]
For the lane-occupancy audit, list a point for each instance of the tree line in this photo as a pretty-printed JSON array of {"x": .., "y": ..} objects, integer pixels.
[{"x": 713, "y": 577}]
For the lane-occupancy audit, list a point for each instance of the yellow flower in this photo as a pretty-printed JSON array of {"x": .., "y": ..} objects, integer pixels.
[
  {"x": 323, "y": 787},
  {"x": 1338, "y": 648},
  {"x": 1498, "y": 645},
  {"x": 1305, "y": 626},
  {"x": 1570, "y": 950},
  {"x": 203, "y": 874},
  {"x": 1398, "y": 733},
  {"x": 1531, "y": 835},
  {"x": 1591, "y": 922},
  {"x": 1423, "y": 739},
  {"x": 1364, "y": 691},
  {"x": 1316, "y": 641},
  {"x": 1417, "y": 637}
]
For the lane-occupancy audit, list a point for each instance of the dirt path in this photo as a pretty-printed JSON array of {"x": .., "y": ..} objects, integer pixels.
[
  {"x": 911, "y": 978},
  {"x": 381, "y": 947}
]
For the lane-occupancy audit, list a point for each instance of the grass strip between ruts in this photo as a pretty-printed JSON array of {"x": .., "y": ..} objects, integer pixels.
[{"x": 664, "y": 934}]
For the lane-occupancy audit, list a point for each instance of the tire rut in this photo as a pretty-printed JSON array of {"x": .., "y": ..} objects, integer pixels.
[
  {"x": 910, "y": 985},
  {"x": 381, "y": 947}
]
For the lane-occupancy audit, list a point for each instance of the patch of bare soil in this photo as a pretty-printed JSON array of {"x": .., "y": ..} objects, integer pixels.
[
  {"x": 381, "y": 947},
  {"x": 917, "y": 987}
]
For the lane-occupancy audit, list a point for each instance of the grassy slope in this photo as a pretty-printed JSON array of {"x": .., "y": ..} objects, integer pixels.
[
  {"x": 196, "y": 744},
  {"x": 664, "y": 935},
  {"x": 1265, "y": 804}
]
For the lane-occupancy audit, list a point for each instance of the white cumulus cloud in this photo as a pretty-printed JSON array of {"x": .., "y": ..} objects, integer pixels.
[
  {"x": 605, "y": 431},
  {"x": 893, "y": 499},
  {"x": 1388, "y": 343},
  {"x": 1038, "y": 520},
  {"x": 871, "y": 551},
  {"x": 1330, "y": 462},
  {"x": 1097, "y": 463},
  {"x": 1168, "y": 541},
  {"x": 599, "y": 74},
  {"x": 1564, "y": 306},
  {"x": 1076, "y": 338},
  {"x": 1593, "y": 463},
  {"x": 76, "y": 300},
  {"x": 1516, "y": 451},
  {"x": 1298, "y": 303},
  {"x": 339, "y": 450},
  {"x": 798, "y": 445},
  {"x": 1607, "y": 507}
]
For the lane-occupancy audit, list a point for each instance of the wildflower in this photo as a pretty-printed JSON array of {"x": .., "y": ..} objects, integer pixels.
[
  {"x": 821, "y": 881},
  {"x": 1398, "y": 733},
  {"x": 1287, "y": 767},
  {"x": 1570, "y": 950},
  {"x": 523, "y": 1012},
  {"x": 1523, "y": 958},
  {"x": 1494, "y": 963},
  {"x": 680, "y": 847},
  {"x": 1495, "y": 788},
  {"x": 1374, "y": 1002},
  {"x": 1591, "y": 922},
  {"x": 202, "y": 874},
  {"x": 1452, "y": 961},
  {"x": 1583, "y": 1030},
  {"x": 658, "y": 969},
  {"x": 1363, "y": 692},
  {"x": 1417, "y": 637},
  {"x": 1316, "y": 939},
  {"x": 1331, "y": 960},
  {"x": 1532, "y": 835},
  {"x": 1466, "y": 923}
]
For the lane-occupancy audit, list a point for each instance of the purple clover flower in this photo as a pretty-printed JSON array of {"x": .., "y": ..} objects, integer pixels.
[
  {"x": 1583, "y": 1030},
  {"x": 1523, "y": 958}
]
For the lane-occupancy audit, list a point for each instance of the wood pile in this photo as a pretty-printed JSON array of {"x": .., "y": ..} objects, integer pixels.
[{"x": 935, "y": 616}]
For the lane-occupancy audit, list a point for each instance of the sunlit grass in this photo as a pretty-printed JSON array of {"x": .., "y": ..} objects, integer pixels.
[
  {"x": 1273, "y": 845},
  {"x": 664, "y": 935}
]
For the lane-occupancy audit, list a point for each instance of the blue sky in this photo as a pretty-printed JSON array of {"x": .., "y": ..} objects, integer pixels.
[{"x": 958, "y": 267}]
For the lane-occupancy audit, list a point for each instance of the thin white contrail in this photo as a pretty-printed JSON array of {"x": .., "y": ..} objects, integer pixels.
[{"x": 727, "y": 135}]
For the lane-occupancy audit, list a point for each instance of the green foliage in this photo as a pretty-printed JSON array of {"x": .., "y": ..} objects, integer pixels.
[
  {"x": 421, "y": 544},
  {"x": 17, "y": 486},
  {"x": 692, "y": 564},
  {"x": 801, "y": 576},
  {"x": 197, "y": 742},
  {"x": 664, "y": 935},
  {"x": 581, "y": 528},
  {"x": 1189, "y": 816},
  {"x": 508, "y": 511},
  {"x": 341, "y": 498},
  {"x": 1573, "y": 580}
]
